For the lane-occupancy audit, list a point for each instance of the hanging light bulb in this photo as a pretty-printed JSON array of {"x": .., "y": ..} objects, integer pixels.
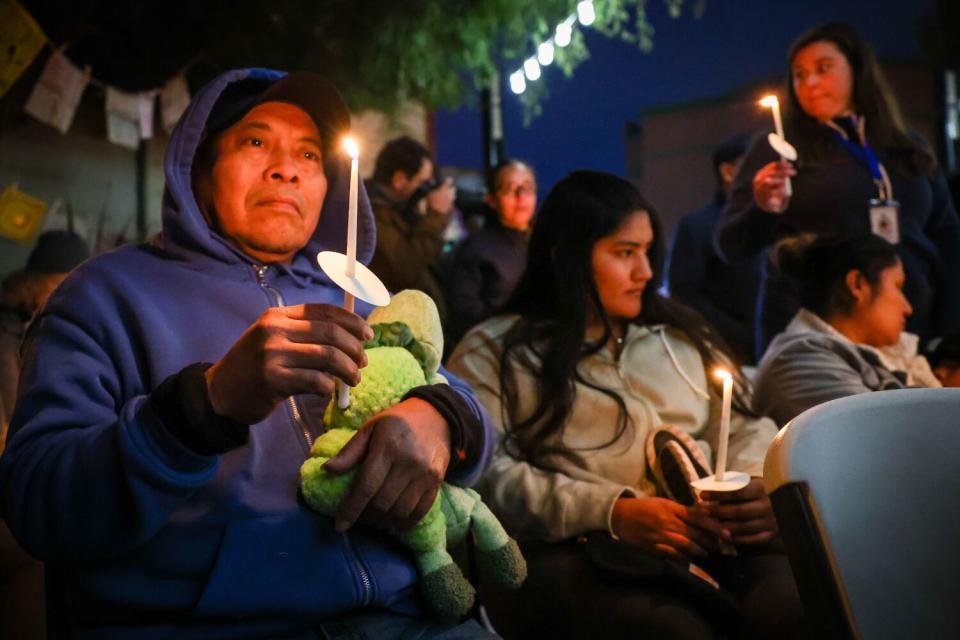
[
  {"x": 545, "y": 54},
  {"x": 517, "y": 84},
  {"x": 532, "y": 68},
  {"x": 564, "y": 33},
  {"x": 585, "y": 12}
]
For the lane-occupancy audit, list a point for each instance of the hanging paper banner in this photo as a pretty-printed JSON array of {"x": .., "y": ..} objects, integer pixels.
[
  {"x": 20, "y": 215},
  {"x": 123, "y": 118},
  {"x": 57, "y": 93},
  {"x": 174, "y": 100},
  {"x": 20, "y": 41}
]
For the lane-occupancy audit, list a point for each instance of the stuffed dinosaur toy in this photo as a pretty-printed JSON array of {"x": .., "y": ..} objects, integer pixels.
[{"x": 405, "y": 353}]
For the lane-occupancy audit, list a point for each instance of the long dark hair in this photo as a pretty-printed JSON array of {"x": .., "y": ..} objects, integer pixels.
[
  {"x": 872, "y": 98},
  {"x": 821, "y": 264},
  {"x": 555, "y": 299}
]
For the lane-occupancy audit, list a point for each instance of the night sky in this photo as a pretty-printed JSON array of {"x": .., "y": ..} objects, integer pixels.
[{"x": 733, "y": 44}]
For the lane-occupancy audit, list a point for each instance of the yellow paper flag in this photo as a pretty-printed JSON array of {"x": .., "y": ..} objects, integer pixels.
[
  {"x": 20, "y": 41},
  {"x": 20, "y": 215}
]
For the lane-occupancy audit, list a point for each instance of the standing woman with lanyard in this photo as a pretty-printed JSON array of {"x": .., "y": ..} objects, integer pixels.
[{"x": 858, "y": 171}]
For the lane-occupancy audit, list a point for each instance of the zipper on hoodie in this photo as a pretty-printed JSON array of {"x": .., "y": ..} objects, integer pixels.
[
  {"x": 365, "y": 581},
  {"x": 261, "y": 271}
]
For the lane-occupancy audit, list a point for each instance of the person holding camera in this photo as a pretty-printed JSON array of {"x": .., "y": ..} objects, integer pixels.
[{"x": 412, "y": 210}]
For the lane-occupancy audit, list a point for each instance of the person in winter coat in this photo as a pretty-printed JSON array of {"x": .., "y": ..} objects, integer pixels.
[
  {"x": 414, "y": 211},
  {"x": 171, "y": 391},
  {"x": 587, "y": 361},
  {"x": 848, "y": 336}
]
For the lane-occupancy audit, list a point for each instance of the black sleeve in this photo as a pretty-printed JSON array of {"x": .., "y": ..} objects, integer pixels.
[
  {"x": 745, "y": 230},
  {"x": 183, "y": 404},
  {"x": 466, "y": 430}
]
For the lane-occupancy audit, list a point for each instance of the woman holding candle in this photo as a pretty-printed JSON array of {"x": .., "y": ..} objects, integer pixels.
[
  {"x": 855, "y": 156},
  {"x": 848, "y": 336},
  {"x": 590, "y": 361}
]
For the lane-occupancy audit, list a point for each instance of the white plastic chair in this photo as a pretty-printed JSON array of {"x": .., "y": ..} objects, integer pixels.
[{"x": 867, "y": 493}]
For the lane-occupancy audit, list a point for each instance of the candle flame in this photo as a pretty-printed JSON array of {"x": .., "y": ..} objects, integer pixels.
[
  {"x": 350, "y": 145},
  {"x": 722, "y": 374},
  {"x": 769, "y": 101}
]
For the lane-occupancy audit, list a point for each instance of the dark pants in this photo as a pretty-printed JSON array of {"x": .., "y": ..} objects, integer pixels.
[{"x": 567, "y": 595}]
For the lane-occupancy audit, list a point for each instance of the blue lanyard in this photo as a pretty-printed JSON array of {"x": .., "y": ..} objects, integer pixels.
[{"x": 864, "y": 154}]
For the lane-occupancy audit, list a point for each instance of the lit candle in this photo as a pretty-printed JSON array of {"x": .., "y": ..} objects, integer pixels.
[
  {"x": 773, "y": 103},
  {"x": 351, "y": 147},
  {"x": 343, "y": 393},
  {"x": 724, "y": 422}
]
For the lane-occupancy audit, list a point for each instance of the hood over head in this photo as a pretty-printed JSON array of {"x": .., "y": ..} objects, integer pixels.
[{"x": 221, "y": 103}]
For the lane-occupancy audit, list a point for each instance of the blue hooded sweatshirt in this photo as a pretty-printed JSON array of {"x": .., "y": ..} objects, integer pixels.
[{"x": 150, "y": 539}]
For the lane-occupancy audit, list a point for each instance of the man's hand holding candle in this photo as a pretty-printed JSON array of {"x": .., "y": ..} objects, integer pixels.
[{"x": 288, "y": 351}]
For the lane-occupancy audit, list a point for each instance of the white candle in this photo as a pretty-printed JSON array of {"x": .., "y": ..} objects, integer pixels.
[
  {"x": 343, "y": 393},
  {"x": 774, "y": 103},
  {"x": 351, "y": 146},
  {"x": 724, "y": 422}
]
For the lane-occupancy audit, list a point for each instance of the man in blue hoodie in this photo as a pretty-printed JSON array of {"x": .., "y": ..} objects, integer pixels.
[{"x": 171, "y": 391}]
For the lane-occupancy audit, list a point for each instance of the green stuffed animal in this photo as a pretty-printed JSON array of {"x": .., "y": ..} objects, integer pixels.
[{"x": 405, "y": 353}]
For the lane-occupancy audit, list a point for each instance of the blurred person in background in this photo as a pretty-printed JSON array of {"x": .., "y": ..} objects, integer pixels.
[
  {"x": 55, "y": 254},
  {"x": 848, "y": 336},
  {"x": 488, "y": 264},
  {"x": 413, "y": 210},
  {"x": 697, "y": 276},
  {"x": 25, "y": 291}
]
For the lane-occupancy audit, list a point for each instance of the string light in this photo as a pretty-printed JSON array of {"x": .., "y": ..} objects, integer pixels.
[
  {"x": 532, "y": 69},
  {"x": 585, "y": 13},
  {"x": 517, "y": 82},
  {"x": 564, "y": 32},
  {"x": 546, "y": 51}
]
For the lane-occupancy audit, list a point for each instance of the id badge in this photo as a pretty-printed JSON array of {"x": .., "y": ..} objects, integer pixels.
[{"x": 884, "y": 220}]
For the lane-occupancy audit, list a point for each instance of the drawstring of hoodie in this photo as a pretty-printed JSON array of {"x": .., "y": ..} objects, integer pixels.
[
  {"x": 683, "y": 374},
  {"x": 673, "y": 358}
]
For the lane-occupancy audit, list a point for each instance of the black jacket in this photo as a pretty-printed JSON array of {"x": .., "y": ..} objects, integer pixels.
[{"x": 832, "y": 197}]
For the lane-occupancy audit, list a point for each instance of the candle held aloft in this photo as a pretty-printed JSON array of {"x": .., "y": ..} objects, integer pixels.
[
  {"x": 724, "y": 438},
  {"x": 773, "y": 103},
  {"x": 350, "y": 145}
]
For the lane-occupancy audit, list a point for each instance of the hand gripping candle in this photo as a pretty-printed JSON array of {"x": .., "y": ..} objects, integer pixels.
[{"x": 778, "y": 141}]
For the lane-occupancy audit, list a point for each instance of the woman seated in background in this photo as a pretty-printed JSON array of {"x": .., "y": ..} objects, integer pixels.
[
  {"x": 589, "y": 361},
  {"x": 848, "y": 337},
  {"x": 488, "y": 264}
]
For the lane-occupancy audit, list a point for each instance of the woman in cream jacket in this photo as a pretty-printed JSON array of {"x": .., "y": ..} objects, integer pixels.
[{"x": 590, "y": 363}]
